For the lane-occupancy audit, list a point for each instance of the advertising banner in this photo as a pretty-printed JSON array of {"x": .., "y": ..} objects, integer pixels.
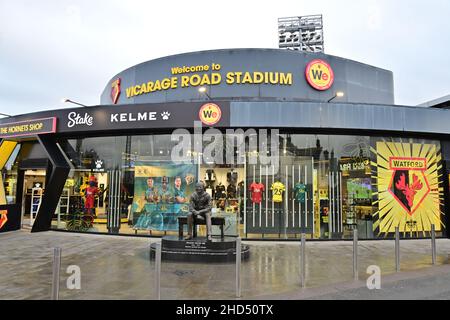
[
  {"x": 409, "y": 189},
  {"x": 9, "y": 218},
  {"x": 146, "y": 116},
  {"x": 161, "y": 194}
]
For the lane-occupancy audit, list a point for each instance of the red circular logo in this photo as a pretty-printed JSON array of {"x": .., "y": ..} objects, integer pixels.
[
  {"x": 210, "y": 114},
  {"x": 319, "y": 75}
]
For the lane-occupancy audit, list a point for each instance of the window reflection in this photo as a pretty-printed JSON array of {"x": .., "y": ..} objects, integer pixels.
[{"x": 326, "y": 186}]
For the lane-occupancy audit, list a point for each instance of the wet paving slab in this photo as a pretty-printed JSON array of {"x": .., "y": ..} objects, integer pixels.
[{"x": 120, "y": 268}]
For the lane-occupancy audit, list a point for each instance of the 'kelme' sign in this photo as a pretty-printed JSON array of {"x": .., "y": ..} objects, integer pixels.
[
  {"x": 28, "y": 128},
  {"x": 146, "y": 116}
]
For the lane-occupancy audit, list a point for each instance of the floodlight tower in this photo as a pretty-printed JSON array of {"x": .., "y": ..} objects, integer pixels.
[{"x": 303, "y": 33}]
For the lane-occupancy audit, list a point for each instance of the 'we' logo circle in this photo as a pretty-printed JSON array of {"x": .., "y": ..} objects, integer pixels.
[
  {"x": 210, "y": 114},
  {"x": 319, "y": 75}
]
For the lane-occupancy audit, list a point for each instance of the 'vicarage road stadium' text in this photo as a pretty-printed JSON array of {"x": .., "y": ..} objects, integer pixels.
[{"x": 210, "y": 79}]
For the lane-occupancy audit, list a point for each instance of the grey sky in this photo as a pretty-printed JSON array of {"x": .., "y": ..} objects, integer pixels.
[{"x": 55, "y": 49}]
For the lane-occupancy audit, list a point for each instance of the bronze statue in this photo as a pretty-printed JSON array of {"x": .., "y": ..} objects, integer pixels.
[{"x": 200, "y": 205}]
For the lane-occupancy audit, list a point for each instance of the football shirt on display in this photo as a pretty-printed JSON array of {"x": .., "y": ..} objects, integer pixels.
[
  {"x": 256, "y": 190},
  {"x": 277, "y": 191},
  {"x": 299, "y": 192}
]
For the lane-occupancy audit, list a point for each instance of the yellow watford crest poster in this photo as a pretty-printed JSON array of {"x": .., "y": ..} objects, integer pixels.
[{"x": 409, "y": 193}]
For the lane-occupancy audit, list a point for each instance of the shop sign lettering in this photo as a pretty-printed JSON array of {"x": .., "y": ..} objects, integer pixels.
[
  {"x": 355, "y": 166},
  {"x": 28, "y": 128},
  {"x": 77, "y": 119},
  {"x": 191, "y": 76},
  {"x": 139, "y": 116}
]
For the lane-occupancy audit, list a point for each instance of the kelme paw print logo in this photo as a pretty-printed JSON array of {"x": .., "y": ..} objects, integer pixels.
[
  {"x": 98, "y": 164},
  {"x": 165, "y": 115}
]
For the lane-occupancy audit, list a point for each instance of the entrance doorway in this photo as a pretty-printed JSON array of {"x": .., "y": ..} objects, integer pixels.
[{"x": 33, "y": 191}]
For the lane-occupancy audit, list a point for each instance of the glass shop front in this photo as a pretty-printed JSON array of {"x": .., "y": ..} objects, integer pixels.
[{"x": 323, "y": 185}]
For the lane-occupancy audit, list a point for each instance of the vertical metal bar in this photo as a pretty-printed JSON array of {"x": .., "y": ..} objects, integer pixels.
[
  {"x": 293, "y": 197},
  {"x": 267, "y": 194},
  {"x": 116, "y": 194},
  {"x": 397, "y": 249},
  {"x": 115, "y": 200},
  {"x": 299, "y": 203},
  {"x": 253, "y": 204},
  {"x": 312, "y": 196},
  {"x": 59, "y": 212},
  {"x": 245, "y": 197},
  {"x": 338, "y": 213},
  {"x": 158, "y": 271},
  {"x": 329, "y": 205},
  {"x": 238, "y": 267},
  {"x": 119, "y": 195},
  {"x": 340, "y": 202},
  {"x": 286, "y": 210},
  {"x": 199, "y": 162},
  {"x": 355, "y": 254},
  {"x": 273, "y": 204},
  {"x": 56, "y": 271},
  {"x": 433, "y": 244},
  {"x": 117, "y": 213},
  {"x": 306, "y": 209},
  {"x": 259, "y": 204},
  {"x": 303, "y": 260},
  {"x": 110, "y": 201},
  {"x": 332, "y": 202},
  {"x": 306, "y": 196}
]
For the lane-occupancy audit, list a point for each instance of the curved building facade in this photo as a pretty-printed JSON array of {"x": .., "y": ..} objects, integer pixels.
[{"x": 279, "y": 148}]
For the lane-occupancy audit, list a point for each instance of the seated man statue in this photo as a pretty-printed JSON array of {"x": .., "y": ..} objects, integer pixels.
[{"x": 200, "y": 205}]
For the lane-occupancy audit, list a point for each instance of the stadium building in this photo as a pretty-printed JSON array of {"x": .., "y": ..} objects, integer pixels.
[{"x": 302, "y": 143}]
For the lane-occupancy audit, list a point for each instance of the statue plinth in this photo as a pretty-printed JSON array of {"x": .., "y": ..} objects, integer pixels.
[{"x": 199, "y": 249}]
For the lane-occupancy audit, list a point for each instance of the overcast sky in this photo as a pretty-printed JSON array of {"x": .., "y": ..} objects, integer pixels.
[{"x": 60, "y": 48}]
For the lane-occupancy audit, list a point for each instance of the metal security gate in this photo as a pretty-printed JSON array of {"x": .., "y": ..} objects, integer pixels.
[
  {"x": 114, "y": 196},
  {"x": 335, "y": 221},
  {"x": 295, "y": 214}
]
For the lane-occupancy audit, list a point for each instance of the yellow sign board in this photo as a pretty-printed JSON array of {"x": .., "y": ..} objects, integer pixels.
[{"x": 409, "y": 192}]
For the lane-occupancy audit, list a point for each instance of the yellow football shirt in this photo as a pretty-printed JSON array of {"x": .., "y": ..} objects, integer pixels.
[{"x": 277, "y": 191}]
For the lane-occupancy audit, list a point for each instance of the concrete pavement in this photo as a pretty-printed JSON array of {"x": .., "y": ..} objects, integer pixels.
[{"x": 119, "y": 268}]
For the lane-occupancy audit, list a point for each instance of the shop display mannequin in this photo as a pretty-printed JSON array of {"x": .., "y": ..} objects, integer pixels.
[
  {"x": 210, "y": 191},
  {"x": 232, "y": 177},
  {"x": 231, "y": 191},
  {"x": 240, "y": 189},
  {"x": 220, "y": 191},
  {"x": 90, "y": 193},
  {"x": 200, "y": 205},
  {"x": 210, "y": 175},
  {"x": 210, "y": 178}
]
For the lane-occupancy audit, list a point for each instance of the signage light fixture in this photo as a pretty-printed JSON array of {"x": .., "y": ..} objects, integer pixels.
[{"x": 66, "y": 100}]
